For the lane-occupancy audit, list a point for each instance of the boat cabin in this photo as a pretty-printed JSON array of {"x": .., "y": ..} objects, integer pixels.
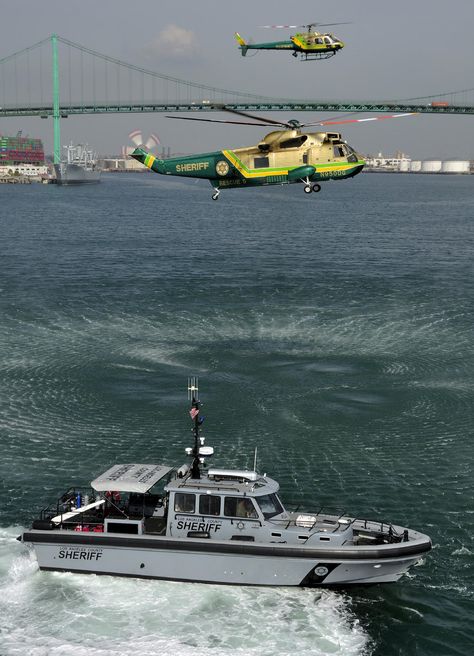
[{"x": 222, "y": 504}]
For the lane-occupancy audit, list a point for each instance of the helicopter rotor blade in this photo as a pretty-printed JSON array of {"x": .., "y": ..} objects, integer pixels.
[
  {"x": 216, "y": 120},
  {"x": 329, "y": 24},
  {"x": 307, "y": 25},
  {"x": 359, "y": 120},
  {"x": 265, "y": 120},
  {"x": 279, "y": 27}
]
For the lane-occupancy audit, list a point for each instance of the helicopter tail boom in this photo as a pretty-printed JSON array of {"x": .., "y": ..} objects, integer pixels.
[{"x": 149, "y": 160}]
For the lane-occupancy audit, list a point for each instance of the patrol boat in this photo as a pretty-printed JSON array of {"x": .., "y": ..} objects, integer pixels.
[{"x": 210, "y": 525}]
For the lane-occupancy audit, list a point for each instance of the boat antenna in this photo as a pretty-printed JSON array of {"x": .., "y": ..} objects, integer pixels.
[
  {"x": 193, "y": 396},
  {"x": 255, "y": 460}
]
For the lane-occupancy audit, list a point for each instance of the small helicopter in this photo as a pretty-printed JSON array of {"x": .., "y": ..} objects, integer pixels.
[
  {"x": 285, "y": 156},
  {"x": 310, "y": 45}
]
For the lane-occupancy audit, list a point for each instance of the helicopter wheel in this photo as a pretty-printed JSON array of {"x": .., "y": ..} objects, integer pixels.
[
  {"x": 307, "y": 189},
  {"x": 316, "y": 188}
]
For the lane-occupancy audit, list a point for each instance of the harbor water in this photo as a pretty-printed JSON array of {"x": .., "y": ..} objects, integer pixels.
[{"x": 334, "y": 332}]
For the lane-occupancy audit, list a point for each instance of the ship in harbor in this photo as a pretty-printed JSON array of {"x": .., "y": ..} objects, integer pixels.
[
  {"x": 213, "y": 525},
  {"x": 78, "y": 167}
]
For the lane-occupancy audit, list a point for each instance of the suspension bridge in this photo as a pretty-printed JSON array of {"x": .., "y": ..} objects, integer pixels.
[{"x": 58, "y": 78}]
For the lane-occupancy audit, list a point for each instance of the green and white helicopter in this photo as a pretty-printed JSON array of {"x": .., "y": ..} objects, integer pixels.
[
  {"x": 310, "y": 45},
  {"x": 284, "y": 156}
]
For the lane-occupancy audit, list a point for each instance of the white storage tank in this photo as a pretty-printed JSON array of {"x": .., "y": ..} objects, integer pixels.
[
  {"x": 431, "y": 166},
  {"x": 404, "y": 166},
  {"x": 455, "y": 166},
  {"x": 415, "y": 166}
]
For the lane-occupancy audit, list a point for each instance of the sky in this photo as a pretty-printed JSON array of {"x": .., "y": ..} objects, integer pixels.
[{"x": 394, "y": 50}]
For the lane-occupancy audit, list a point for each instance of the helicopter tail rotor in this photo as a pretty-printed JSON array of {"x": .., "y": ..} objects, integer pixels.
[
  {"x": 136, "y": 137},
  {"x": 152, "y": 142}
]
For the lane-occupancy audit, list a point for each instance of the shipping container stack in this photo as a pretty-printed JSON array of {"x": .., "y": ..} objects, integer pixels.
[{"x": 17, "y": 150}]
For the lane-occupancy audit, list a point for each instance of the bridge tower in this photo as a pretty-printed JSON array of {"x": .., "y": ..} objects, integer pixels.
[{"x": 56, "y": 109}]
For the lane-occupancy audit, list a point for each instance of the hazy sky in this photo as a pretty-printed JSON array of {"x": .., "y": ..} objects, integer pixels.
[{"x": 393, "y": 50}]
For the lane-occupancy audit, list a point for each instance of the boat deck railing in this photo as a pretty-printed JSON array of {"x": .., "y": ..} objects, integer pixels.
[{"x": 340, "y": 521}]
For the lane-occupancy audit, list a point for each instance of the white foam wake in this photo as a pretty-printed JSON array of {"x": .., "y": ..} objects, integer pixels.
[{"x": 62, "y": 614}]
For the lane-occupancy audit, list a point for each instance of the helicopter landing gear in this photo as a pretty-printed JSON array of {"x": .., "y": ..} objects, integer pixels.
[
  {"x": 216, "y": 193},
  {"x": 308, "y": 187},
  {"x": 295, "y": 54}
]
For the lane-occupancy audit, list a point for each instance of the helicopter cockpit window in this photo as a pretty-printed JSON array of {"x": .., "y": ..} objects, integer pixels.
[
  {"x": 260, "y": 162},
  {"x": 295, "y": 142},
  {"x": 319, "y": 42},
  {"x": 327, "y": 40},
  {"x": 338, "y": 151},
  {"x": 350, "y": 153}
]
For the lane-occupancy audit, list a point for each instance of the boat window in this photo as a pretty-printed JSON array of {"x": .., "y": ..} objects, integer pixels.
[
  {"x": 239, "y": 507},
  {"x": 269, "y": 505},
  {"x": 260, "y": 162},
  {"x": 209, "y": 504},
  {"x": 184, "y": 502}
]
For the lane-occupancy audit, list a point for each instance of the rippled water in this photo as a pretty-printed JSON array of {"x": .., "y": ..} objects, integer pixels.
[{"x": 334, "y": 332}]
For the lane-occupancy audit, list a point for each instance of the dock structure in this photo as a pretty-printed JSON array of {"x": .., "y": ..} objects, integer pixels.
[{"x": 14, "y": 179}]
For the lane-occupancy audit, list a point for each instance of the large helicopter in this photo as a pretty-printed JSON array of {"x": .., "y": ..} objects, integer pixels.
[
  {"x": 285, "y": 156},
  {"x": 310, "y": 45}
]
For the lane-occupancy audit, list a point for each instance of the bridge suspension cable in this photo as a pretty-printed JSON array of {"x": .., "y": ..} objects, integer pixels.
[{"x": 84, "y": 81}]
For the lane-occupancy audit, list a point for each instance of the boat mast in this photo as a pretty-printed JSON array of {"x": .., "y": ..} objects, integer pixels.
[{"x": 193, "y": 396}]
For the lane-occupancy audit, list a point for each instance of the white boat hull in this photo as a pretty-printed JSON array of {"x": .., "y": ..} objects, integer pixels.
[{"x": 212, "y": 561}]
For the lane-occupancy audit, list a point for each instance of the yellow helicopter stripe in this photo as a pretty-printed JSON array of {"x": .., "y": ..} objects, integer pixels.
[
  {"x": 149, "y": 159},
  {"x": 258, "y": 173},
  {"x": 298, "y": 42}
]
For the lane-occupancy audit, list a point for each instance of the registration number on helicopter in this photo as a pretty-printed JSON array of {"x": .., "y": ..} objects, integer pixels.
[{"x": 332, "y": 174}]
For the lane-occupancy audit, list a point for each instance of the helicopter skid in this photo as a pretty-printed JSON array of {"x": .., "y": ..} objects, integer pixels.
[{"x": 312, "y": 56}]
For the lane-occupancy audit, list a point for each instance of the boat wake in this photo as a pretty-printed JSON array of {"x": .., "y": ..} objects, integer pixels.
[{"x": 87, "y": 615}]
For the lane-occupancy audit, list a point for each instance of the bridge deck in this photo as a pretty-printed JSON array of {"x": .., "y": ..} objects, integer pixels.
[{"x": 264, "y": 106}]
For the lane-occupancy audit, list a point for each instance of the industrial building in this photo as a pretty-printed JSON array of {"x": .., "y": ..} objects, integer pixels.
[{"x": 401, "y": 163}]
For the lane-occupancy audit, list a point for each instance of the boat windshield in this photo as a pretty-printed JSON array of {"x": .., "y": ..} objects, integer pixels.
[{"x": 269, "y": 505}]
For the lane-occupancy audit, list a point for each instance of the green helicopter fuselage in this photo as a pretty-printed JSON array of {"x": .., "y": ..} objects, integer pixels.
[{"x": 282, "y": 157}]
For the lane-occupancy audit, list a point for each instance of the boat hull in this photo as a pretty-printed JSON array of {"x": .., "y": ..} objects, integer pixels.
[
  {"x": 72, "y": 174},
  {"x": 224, "y": 562}
]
